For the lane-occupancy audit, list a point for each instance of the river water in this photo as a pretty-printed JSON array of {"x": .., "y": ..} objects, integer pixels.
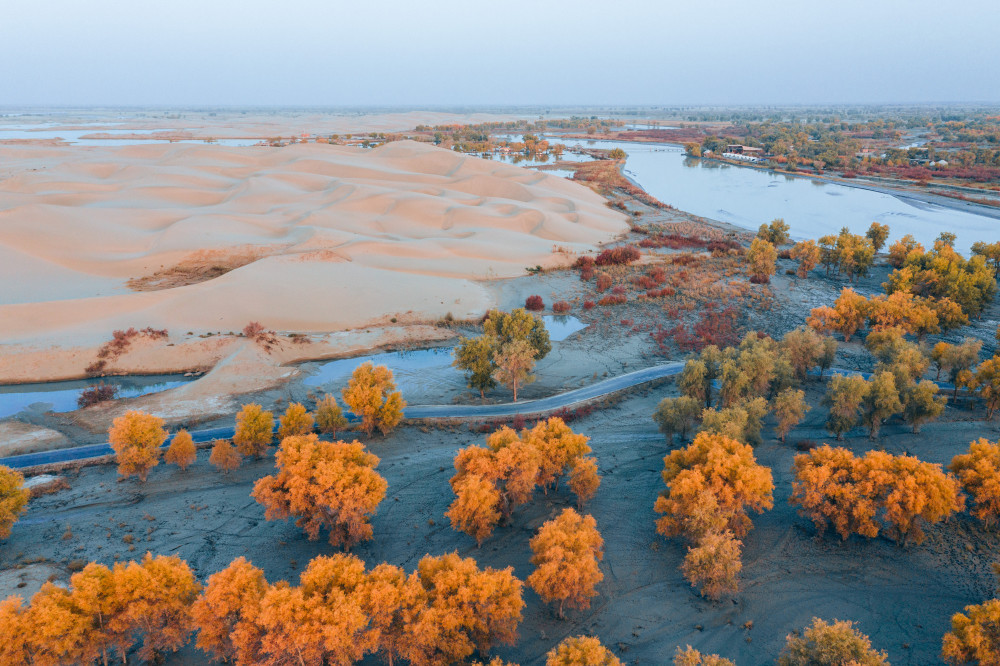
[{"x": 750, "y": 197}]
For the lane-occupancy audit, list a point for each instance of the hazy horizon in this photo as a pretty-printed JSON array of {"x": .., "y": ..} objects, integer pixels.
[{"x": 311, "y": 53}]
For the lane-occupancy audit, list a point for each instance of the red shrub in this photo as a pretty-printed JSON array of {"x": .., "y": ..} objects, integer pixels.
[
  {"x": 614, "y": 299},
  {"x": 534, "y": 303},
  {"x": 785, "y": 254},
  {"x": 603, "y": 281},
  {"x": 560, "y": 307},
  {"x": 760, "y": 279},
  {"x": 95, "y": 394},
  {"x": 588, "y": 305},
  {"x": 625, "y": 254},
  {"x": 618, "y": 290}
]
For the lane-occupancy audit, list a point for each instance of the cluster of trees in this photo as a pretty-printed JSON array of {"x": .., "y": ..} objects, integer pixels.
[
  {"x": 756, "y": 377},
  {"x": 944, "y": 273},
  {"x": 339, "y": 613},
  {"x": 872, "y": 493},
  {"x": 106, "y": 612},
  {"x": 324, "y": 484},
  {"x": 489, "y": 483},
  {"x": 506, "y": 352},
  {"x": 137, "y": 438},
  {"x": 711, "y": 485}
]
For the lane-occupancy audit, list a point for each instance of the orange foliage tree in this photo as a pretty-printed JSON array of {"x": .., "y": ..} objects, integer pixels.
[
  {"x": 847, "y": 315},
  {"x": 714, "y": 564},
  {"x": 226, "y": 613},
  {"x": 224, "y": 456},
  {"x": 973, "y": 638},
  {"x": 830, "y": 643},
  {"x": 181, "y": 451},
  {"x": 711, "y": 485},
  {"x": 329, "y": 417},
  {"x": 691, "y": 657},
  {"x": 254, "y": 430},
  {"x": 581, "y": 651},
  {"x": 295, "y": 421},
  {"x": 567, "y": 550},
  {"x": 13, "y": 499},
  {"x": 489, "y": 483},
  {"x": 136, "y": 438},
  {"x": 467, "y": 609},
  {"x": 863, "y": 495},
  {"x": 979, "y": 473},
  {"x": 371, "y": 394},
  {"x": 331, "y": 484}
]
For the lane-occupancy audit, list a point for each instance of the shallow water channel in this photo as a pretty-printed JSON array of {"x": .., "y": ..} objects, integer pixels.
[
  {"x": 62, "y": 396},
  {"x": 423, "y": 370}
]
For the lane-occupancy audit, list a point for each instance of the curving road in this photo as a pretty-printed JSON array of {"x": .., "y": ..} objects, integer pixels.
[{"x": 528, "y": 407}]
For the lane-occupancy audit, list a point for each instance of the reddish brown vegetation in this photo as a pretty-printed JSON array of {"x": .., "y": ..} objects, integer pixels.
[
  {"x": 613, "y": 299},
  {"x": 713, "y": 328},
  {"x": 95, "y": 394},
  {"x": 119, "y": 344},
  {"x": 256, "y": 332},
  {"x": 534, "y": 303},
  {"x": 625, "y": 254},
  {"x": 561, "y": 307}
]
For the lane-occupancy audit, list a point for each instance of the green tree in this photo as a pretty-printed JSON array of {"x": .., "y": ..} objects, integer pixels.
[
  {"x": 922, "y": 404},
  {"x": 789, "y": 408},
  {"x": 677, "y": 415},
  {"x": 878, "y": 234},
  {"x": 475, "y": 357},
  {"x": 881, "y": 401},
  {"x": 844, "y": 395},
  {"x": 775, "y": 233}
]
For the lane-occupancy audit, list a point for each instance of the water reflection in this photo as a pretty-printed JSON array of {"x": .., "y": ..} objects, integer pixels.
[{"x": 62, "y": 396}]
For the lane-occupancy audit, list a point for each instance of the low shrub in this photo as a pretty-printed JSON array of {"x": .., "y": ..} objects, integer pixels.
[
  {"x": 95, "y": 394},
  {"x": 760, "y": 279},
  {"x": 603, "y": 282},
  {"x": 624, "y": 254},
  {"x": 588, "y": 305},
  {"x": 613, "y": 299},
  {"x": 561, "y": 307},
  {"x": 534, "y": 303}
]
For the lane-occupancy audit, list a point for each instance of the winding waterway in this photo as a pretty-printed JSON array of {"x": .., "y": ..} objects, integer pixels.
[{"x": 749, "y": 197}]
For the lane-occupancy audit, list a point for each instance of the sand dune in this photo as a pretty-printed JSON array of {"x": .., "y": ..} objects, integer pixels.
[{"x": 346, "y": 238}]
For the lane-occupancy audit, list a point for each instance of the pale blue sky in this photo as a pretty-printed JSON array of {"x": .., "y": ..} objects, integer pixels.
[{"x": 400, "y": 52}]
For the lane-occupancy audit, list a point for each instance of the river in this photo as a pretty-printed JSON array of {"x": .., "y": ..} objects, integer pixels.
[{"x": 749, "y": 197}]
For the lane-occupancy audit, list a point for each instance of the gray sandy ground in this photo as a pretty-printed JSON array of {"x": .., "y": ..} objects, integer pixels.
[{"x": 902, "y": 597}]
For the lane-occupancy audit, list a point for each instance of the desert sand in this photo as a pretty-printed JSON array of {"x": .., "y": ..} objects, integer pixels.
[{"x": 309, "y": 238}]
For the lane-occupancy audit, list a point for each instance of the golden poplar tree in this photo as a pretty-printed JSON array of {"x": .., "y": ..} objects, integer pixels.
[
  {"x": 13, "y": 499},
  {"x": 714, "y": 564},
  {"x": 371, "y": 394},
  {"x": 979, "y": 473},
  {"x": 566, "y": 553},
  {"x": 295, "y": 421},
  {"x": 393, "y": 602},
  {"x": 181, "y": 451},
  {"x": 329, "y": 416},
  {"x": 226, "y": 613},
  {"x": 691, "y": 657},
  {"x": 584, "y": 480},
  {"x": 136, "y": 438},
  {"x": 837, "y": 642},
  {"x": 324, "y": 484},
  {"x": 224, "y": 456},
  {"x": 973, "y": 638},
  {"x": 254, "y": 430},
  {"x": 581, "y": 651},
  {"x": 468, "y": 609}
]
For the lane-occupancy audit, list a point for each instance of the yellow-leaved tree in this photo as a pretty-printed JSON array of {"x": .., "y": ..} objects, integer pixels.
[
  {"x": 979, "y": 473},
  {"x": 973, "y": 638},
  {"x": 329, "y": 417},
  {"x": 181, "y": 451},
  {"x": 295, "y": 421},
  {"x": 324, "y": 484},
  {"x": 567, "y": 552},
  {"x": 254, "y": 430},
  {"x": 136, "y": 438},
  {"x": 581, "y": 651},
  {"x": 371, "y": 394},
  {"x": 13, "y": 499}
]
